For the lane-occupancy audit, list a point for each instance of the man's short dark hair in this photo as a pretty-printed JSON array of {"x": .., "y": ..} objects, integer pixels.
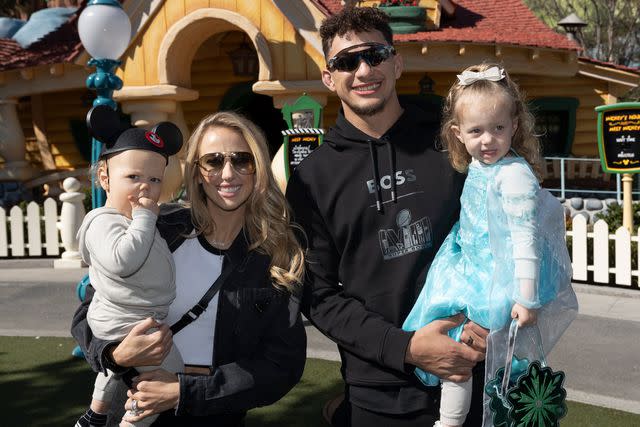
[{"x": 356, "y": 19}]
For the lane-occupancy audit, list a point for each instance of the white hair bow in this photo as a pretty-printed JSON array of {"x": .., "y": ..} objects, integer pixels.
[{"x": 494, "y": 74}]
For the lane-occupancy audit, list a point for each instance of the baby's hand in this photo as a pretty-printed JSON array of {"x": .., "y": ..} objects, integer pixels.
[
  {"x": 144, "y": 202},
  {"x": 526, "y": 316}
]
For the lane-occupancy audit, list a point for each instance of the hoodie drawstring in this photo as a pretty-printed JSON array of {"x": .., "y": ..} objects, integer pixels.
[
  {"x": 376, "y": 173},
  {"x": 376, "y": 176},
  {"x": 392, "y": 168}
]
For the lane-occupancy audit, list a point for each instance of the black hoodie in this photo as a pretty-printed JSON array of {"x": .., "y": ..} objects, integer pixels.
[{"x": 369, "y": 247}]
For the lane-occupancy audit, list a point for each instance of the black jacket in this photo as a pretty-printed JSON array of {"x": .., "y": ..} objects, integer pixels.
[
  {"x": 378, "y": 242},
  {"x": 260, "y": 342}
]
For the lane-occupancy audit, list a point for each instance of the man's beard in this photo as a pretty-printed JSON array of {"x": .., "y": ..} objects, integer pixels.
[{"x": 369, "y": 110}]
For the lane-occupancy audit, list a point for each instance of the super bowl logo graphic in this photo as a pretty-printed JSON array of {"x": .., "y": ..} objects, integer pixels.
[
  {"x": 408, "y": 237},
  {"x": 154, "y": 139}
]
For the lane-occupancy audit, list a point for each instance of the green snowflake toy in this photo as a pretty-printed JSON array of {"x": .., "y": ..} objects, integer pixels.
[{"x": 536, "y": 399}]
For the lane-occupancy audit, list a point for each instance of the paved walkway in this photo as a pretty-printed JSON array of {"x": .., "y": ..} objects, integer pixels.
[{"x": 600, "y": 352}]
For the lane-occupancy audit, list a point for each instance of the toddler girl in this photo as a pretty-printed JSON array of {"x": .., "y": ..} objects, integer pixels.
[{"x": 498, "y": 261}]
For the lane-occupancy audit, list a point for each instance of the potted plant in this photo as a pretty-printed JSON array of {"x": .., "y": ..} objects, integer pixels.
[{"x": 405, "y": 16}]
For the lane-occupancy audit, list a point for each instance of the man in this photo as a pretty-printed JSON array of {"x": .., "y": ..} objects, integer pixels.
[{"x": 375, "y": 201}]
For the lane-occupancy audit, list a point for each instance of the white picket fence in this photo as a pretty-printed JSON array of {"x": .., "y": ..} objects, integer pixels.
[
  {"x": 585, "y": 244},
  {"x": 14, "y": 243},
  {"x": 601, "y": 265}
]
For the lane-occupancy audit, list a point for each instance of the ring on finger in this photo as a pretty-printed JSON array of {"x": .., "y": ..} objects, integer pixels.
[
  {"x": 134, "y": 405},
  {"x": 470, "y": 341}
]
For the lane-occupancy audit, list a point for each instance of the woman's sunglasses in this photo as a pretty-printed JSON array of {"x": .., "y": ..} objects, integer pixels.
[
  {"x": 375, "y": 55},
  {"x": 213, "y": 163}
]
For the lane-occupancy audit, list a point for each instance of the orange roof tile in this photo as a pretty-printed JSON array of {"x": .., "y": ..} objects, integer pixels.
[{"x": 507, "y": 22}]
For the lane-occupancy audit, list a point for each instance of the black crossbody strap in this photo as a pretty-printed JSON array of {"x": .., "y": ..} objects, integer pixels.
[{"x": 202, "y": 305}]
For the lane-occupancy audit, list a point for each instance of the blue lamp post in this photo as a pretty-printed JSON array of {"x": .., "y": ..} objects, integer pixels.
[{"x": 105, "y": 32}]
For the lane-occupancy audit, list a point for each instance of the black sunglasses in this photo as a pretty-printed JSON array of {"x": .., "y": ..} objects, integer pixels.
[
  {"x": 375, "y": 55},
  {"x": 213, "y": 163}
]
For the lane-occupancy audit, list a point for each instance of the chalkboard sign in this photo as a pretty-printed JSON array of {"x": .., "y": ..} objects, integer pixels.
[
  {"x": 299, "y": 147},
  {"x": 304, "y": 134},
  {"x": 619, "y": 137}
]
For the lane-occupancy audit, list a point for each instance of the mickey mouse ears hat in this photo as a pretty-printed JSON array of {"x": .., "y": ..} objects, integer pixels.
[{"x": 104, "y": 124}]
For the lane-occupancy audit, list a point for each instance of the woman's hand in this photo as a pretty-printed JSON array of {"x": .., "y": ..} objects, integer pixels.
[
  {"x": 154, "y": 392},
  {"x": 140, "y": 349},
  {"x": 526, "y": 316}
]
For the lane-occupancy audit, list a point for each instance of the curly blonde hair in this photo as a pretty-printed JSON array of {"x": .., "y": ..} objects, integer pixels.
[
  {"x": 524, "y": 141},
  {"x": 267, "y": 217}
]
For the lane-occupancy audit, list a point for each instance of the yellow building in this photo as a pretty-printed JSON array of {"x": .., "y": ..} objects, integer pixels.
[{"x": 180, "y": 67}]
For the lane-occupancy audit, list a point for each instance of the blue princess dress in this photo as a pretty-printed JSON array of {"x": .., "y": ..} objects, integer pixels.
[{"x": 509, "y": 230}]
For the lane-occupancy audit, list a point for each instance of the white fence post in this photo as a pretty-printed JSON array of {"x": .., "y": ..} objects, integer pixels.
[
  {"x": 601, "y": 252},
  {"x": 33, "y": 229},
  {"x": 52, "y": 241},
  {"x": 623, "y": 257},
  {"x": 71, "y": 216},
  {"x": 17, "y": 231},
  {"x": 579, "y": 248},
  {"x": 4, "y": 245}
]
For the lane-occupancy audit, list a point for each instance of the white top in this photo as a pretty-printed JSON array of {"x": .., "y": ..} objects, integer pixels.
[{"x": 197, "y": 268}]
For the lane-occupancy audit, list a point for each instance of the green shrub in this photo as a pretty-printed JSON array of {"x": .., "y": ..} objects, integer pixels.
[{"x": 613, "y": 216}]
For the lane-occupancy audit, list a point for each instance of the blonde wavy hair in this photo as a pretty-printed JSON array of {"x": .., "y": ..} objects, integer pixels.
[
  {"x": 267, "y": 217},
  {"x": 524, "y": 142}
]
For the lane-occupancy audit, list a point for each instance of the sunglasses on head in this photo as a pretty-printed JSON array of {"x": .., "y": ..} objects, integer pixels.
[
  {"x": 213, "y": 163},
  {"x": 373, "y": 56}
]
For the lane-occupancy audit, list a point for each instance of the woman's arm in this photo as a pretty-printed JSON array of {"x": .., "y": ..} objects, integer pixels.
[
  {"x": 247, "y": 383},
  {"x": 136, "y": 349}
]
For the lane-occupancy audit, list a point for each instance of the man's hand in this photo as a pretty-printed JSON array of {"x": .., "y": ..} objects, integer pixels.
[
  {"x": 432, "y": 350},
  {"x": 140, "y": 349},
  {"x": 475, "y": 336}
]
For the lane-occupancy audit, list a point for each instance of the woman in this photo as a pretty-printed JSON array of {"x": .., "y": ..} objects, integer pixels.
[{"x": 248, "y": 348}]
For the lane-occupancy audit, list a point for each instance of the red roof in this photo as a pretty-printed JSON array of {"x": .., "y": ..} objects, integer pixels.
[
  {"x": 507, "y": 22},
  {"x": 60, "y": 45}
]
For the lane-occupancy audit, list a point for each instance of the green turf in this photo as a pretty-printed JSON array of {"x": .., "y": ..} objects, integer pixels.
[{"x": 42, "y": 385}]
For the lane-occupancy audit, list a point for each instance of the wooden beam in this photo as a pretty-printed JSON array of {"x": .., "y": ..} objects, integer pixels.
[
  {"x": 27, "y": 73},
  {"x": 534, "y": 54},
  {"x": 3, "y": 79},
  {"x": 39, "y": 129},
  {"x": 498, "y": 51},
  {"x": 56, "y": 70},
  {"x": 572, "y": 56}
]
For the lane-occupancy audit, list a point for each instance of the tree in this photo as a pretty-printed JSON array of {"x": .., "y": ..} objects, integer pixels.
[
  {"x": 612, "y": 33},
  {"x": 20, "y": 9}
]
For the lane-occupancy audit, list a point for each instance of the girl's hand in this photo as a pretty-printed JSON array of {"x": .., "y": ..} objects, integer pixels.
[
  {"x": 526, "y": 316},
  {"x": 154, "y": 392},
  {"x": 140, "y": 349}
]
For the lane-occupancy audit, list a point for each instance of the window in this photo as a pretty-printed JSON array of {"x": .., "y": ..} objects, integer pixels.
[{"x": 555, "y": 124}]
